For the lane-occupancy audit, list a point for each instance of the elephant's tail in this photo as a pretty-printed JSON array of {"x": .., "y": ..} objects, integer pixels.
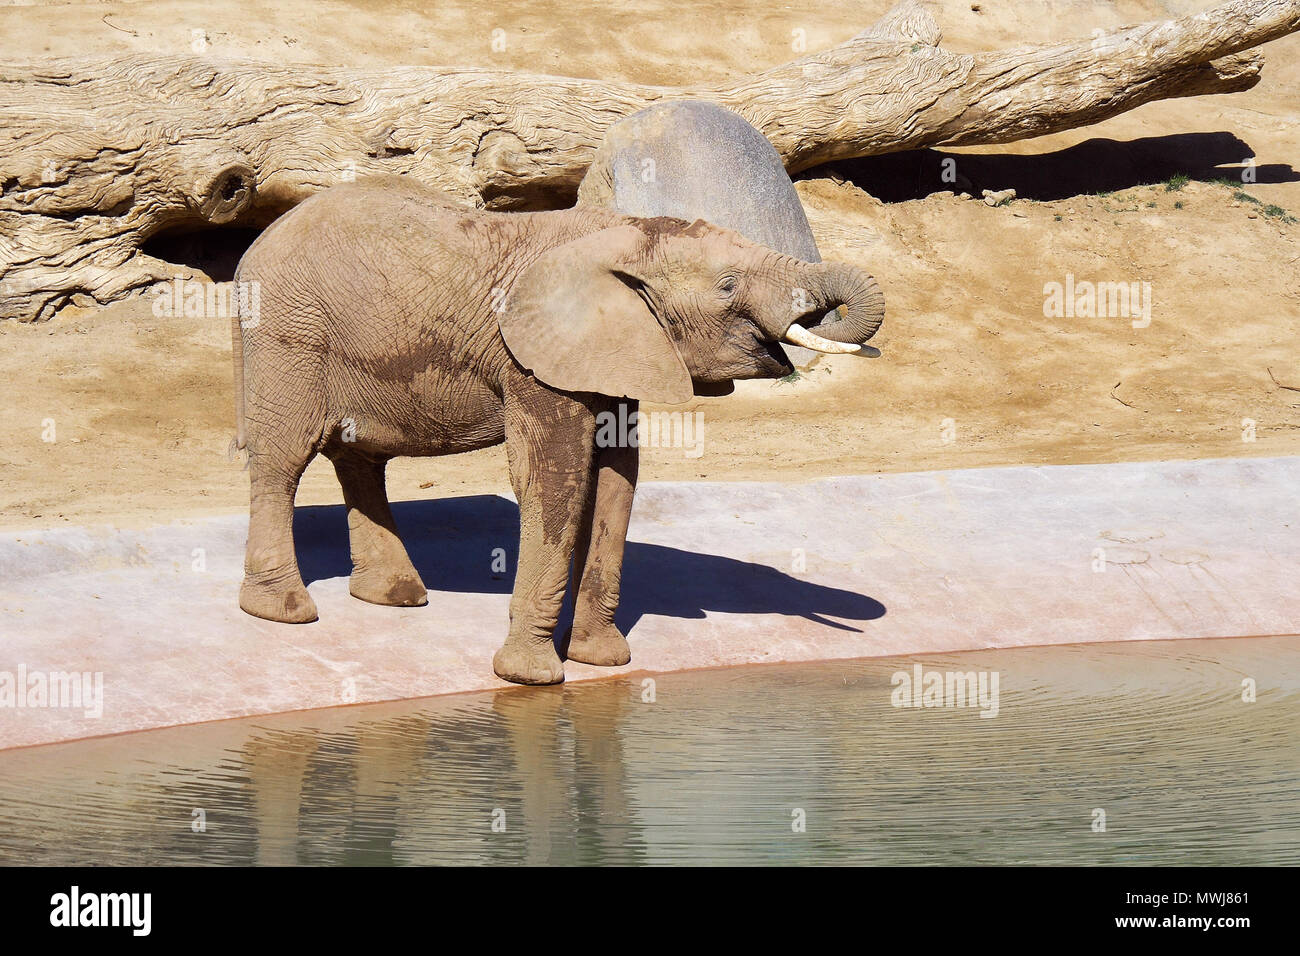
[{"x": 240, "y": 441}]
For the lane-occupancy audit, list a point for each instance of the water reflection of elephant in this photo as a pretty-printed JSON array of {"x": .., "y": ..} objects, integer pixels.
[
  {"x": 568, "y": 762},
  {"x": 532, "y": 776}
]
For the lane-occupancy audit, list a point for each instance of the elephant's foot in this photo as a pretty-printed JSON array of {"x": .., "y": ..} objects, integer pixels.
[
  {"x": 601, "y": 644},
  {"x": 288, "y": 605},
  {"x": 522, "y": 663},
  {"x": 385, "y": 586}
]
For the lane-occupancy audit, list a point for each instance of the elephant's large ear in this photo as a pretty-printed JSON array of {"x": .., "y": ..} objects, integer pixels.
[{"x": 575, "y": 320}]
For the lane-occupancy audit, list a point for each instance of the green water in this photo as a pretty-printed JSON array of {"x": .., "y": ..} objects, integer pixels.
[{"x": 806, "y": 763}]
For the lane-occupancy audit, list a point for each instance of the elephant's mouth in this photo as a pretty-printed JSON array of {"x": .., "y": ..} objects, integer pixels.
[{"x": 779, "y": 359}]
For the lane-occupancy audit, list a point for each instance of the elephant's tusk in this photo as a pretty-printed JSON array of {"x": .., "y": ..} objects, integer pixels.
[{"x": 798, "y": 335}]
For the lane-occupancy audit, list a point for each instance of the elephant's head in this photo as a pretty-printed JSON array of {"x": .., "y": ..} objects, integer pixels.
[{"x": 662, "y": 309}]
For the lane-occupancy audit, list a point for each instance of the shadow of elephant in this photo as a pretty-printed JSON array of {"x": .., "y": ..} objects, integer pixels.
[
  {"x": 470, "y": 545},
  {"x": 1093, "y": 166}
]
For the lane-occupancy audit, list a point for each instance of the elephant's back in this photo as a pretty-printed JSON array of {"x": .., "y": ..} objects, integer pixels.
[
  {"x": 352, "y": 226},
  {"x": 367, "y": 253}
]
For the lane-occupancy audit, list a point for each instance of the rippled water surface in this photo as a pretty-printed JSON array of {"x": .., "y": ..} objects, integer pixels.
[{"x": 720, "y": 766}]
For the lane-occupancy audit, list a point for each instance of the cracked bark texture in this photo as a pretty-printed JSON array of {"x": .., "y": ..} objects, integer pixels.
[{"x": 98, "y": 155}]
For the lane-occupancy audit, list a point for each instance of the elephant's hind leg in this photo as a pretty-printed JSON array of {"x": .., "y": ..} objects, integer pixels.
[
  {"x": 273, "y": 587},
  {"x": 382, "y": 572}
]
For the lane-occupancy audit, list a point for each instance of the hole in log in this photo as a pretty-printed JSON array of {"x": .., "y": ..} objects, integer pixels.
[
  {"x": 231, "y": 188},
  {"x": 530, "y": 197},
  {"x": 214, "y": 252}
]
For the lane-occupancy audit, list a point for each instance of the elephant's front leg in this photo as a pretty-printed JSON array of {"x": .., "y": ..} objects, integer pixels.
[
  {"x": 549, "y": 439},
  {"x": 598, "y": 557}
]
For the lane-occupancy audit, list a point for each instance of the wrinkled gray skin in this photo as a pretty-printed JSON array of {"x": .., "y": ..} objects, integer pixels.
[{"x": 394, "y": 321}]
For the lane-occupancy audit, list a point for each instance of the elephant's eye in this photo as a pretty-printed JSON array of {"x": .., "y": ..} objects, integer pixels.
[{"x": 727, "y": 287}]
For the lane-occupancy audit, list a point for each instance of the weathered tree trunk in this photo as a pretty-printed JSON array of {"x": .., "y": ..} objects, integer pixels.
[{"x": 97, "y": 155}]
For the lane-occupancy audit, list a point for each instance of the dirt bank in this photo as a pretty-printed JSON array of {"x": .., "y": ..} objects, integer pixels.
[{"x": 973, "y": 371}]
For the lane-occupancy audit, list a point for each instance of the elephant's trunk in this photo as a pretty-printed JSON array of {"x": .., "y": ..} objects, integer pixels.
[{"x": 832, "y": 284}]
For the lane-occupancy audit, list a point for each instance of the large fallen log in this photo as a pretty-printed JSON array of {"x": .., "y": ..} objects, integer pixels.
[{"x": 98, "y": 155}]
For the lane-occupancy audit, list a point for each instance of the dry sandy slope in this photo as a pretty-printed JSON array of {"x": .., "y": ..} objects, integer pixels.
[{"x": 143, "y": 406}]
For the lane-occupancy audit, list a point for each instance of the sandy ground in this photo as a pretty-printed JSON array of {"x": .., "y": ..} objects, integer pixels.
[{"x": 972, "y": 373}]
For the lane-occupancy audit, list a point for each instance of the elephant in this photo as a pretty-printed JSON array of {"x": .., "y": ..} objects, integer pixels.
[{"x": 391, "y": 320}]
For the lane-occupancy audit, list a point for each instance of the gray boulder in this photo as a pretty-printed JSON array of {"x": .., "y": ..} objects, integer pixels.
[{"x": 695, "y": 160}]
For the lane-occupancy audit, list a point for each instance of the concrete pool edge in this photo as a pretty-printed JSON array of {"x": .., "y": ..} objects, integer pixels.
[
  {"x": 340, "y": 712},
  {"x": 720, "y": 574}
]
